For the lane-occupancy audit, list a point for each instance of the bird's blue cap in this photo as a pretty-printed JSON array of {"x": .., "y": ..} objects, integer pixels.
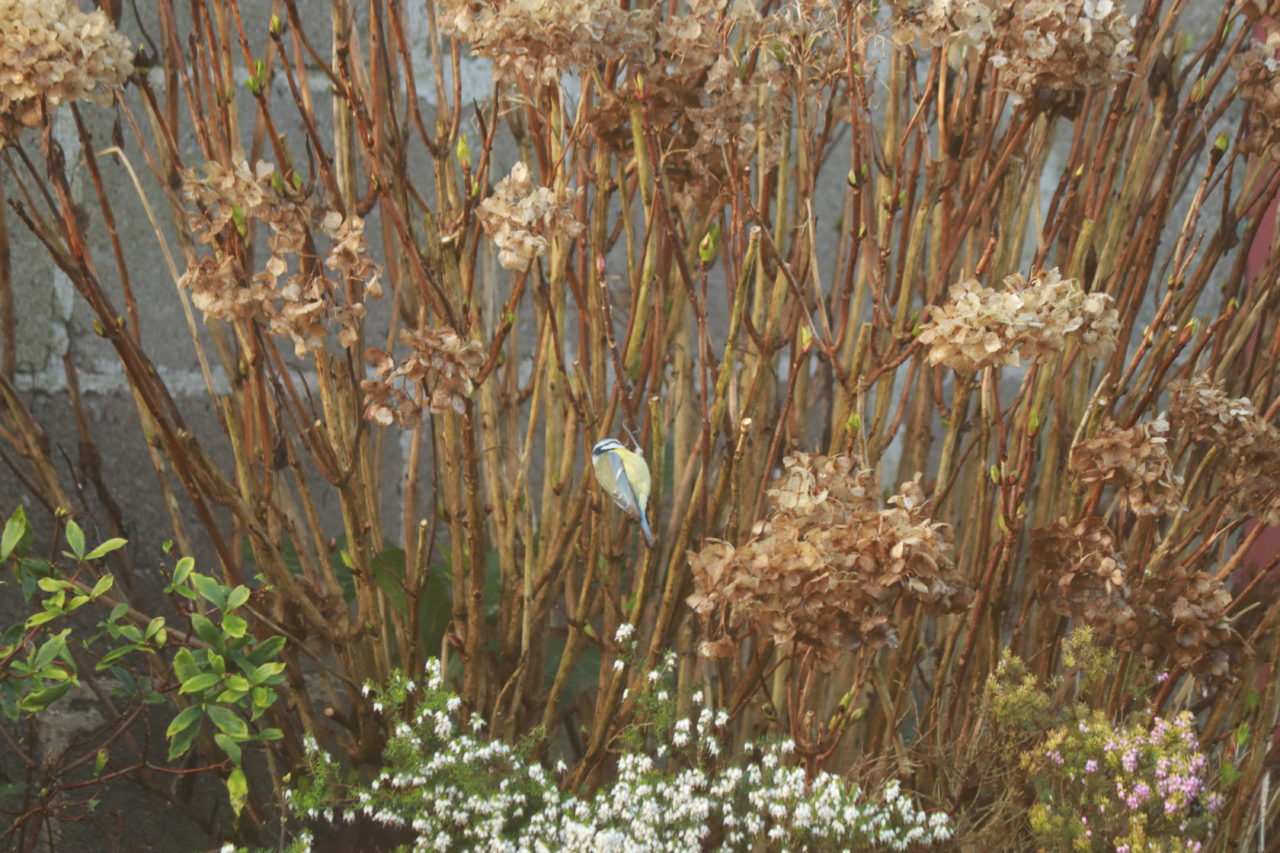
[{"x": 604, "y": 445}]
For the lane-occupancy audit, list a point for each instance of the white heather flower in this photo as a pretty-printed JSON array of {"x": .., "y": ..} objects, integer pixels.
[{"x": 624, "y": 632}]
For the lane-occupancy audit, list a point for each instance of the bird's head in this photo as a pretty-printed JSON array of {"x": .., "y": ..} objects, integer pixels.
[{"x": 604, "y": 445}]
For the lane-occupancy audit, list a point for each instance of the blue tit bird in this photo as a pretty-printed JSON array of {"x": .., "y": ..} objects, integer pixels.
[{"x": 625, "y": 476}]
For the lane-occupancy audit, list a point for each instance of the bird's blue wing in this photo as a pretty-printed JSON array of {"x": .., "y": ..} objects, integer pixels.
[{"x": 626, "y": 495}]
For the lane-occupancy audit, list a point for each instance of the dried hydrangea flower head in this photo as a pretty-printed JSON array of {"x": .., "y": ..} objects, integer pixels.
[
  {"x": 1081, "y": 574},
  {"x": 1053, "y": 51},
  {"x": 1258, "y": 86},
  {"x": 52, "y": 53},
  {"x": 1050, "y": 52},
  {"x": 1174, "y": 617},
  {"x": 1186, "y": 618},
  {"x": 829, "y": 567},
  {"x": 522, "y": 218},
  {"x": 438, "y": 360},
  {"x": 970, "y": 23},
  {"x": 716, "y": 88},
  {"x": 1255, "y": 9},
  {"x": 1250, "y": 444},
  {"x": 290, "y": 294},
  {"x": 538, "y": 40},
  {"x": 982, "y": 327},
  {"x": 1136, "y": 461}
]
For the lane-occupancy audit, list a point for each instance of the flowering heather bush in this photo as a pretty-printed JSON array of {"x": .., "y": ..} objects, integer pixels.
[
  {"x": 457, "y": 789},
  {"x": 1095, "y": 784},
  {"x": 1141, "y": 786}
]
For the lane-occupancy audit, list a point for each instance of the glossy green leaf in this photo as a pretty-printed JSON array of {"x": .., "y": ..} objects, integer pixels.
[
  {"x": 184, "y": 665},
  {"x": 265, "y": 672},
  {"x": 52, "y": 648},
  {"x": 206, "y": 631},
  {"x": 38, "y": 700},
  {"x": 263, "y": 698},
  {"x": 200, "y": 682},
  {"x": 238, "y": 596},
  {"x": 229, "y": 746},
  {"x": 210, "y": 590},
  {"x": 153, "y": 628},
  {"x": 267, "y": 649},
  {"x": 237, "y": 682},
  {"x": 113, "y": 544},
  {"x": 15, "y": 529},
  {"x": 234, "y": 626},
  {"x": 186, "y": 717},
  {"x": 75, "y": 539},
  {"x": 182, "y": 731},
  {"x": 228, "y": 721},
  {"x": 237, "y": 790},
  {"x": 104, "y": 583},
  {"x": 37, "y": 619},
  {"x": 114, "y": 655},
  {"x": 183, "y": 570}
]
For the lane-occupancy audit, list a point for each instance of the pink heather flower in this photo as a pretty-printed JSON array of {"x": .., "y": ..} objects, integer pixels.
[{"x": 1091, "y": 766}]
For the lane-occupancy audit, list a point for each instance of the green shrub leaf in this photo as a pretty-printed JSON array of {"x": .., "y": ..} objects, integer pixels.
[
  {"x": 228, "y": 721},
  {"x": 237, "y": 790},
  {"x": 14, "y": 531},
  {"x": 106, "y": 548},
  {"x": 75, "y": 539},
  {"x": 200, "y": 682}
]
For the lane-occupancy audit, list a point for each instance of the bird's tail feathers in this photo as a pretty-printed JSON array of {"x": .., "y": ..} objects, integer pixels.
[{"x": 644, "y": 528}]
